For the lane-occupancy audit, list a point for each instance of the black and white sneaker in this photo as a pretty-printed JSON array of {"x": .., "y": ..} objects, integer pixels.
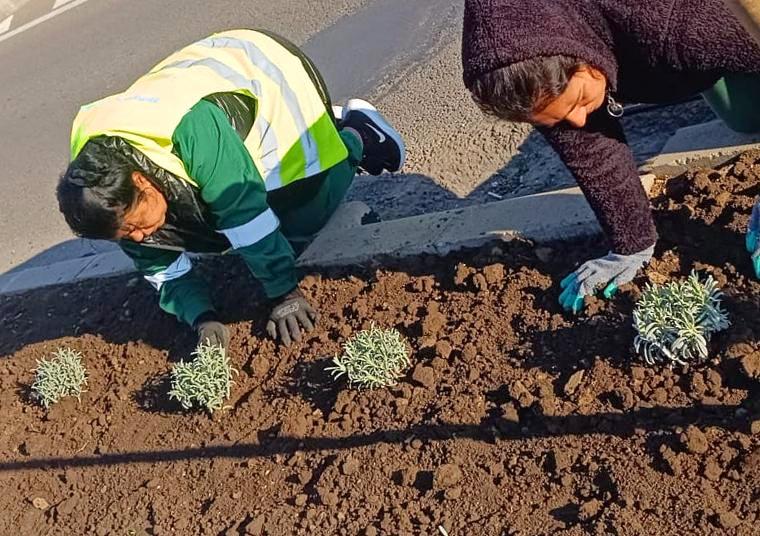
[{"x": 383, "y": 147}]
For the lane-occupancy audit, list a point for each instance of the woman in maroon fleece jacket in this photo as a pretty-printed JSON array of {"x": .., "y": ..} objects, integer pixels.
[{"x": 565, "y": 65}]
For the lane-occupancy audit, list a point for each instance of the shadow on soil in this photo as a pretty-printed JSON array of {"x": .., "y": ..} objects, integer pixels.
[{"x": 661, "y": 419}]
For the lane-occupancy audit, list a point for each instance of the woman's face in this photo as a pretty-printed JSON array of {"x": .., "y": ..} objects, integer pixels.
[
  {"x": 147, "y": 215},
  {"x": 586, "y": 92}
]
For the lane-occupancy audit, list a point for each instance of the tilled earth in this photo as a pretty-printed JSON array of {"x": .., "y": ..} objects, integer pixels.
[{"x": 514, "y": 419}]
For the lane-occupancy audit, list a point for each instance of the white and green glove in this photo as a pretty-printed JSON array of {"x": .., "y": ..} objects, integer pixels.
[{"x": 609, "y": 272}]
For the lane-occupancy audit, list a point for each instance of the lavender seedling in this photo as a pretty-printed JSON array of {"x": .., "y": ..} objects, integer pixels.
[
  {"x": 675, "y": 322},
  {"x": 205, "y": 381},
  {"x": 63, "y": 375},
  {"x": 372, "y": 358}
]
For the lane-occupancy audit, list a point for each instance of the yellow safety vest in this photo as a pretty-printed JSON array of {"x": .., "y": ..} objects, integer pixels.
[{"x": 292, "y": 137}]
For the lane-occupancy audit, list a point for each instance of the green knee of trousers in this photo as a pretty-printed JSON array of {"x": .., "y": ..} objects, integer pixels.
[{"x": 736, "y": 100}]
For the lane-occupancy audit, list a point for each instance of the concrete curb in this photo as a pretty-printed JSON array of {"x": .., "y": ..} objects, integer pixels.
[
  {"x": 706, "y": 144},
  {"x": 559, "y": 215}
]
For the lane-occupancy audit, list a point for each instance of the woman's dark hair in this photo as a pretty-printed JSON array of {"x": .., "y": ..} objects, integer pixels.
[
  {"x": 97, "y": 190},
  {"x": 517, "y": 91}
]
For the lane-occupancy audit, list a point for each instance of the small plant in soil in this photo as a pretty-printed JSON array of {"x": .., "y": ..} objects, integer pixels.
[
  {"x": 372, "y": 358},
  {"x": 62, "y": 375},
  {"x": 205, "y": 381},
  {"x": 675, "y": 322}
]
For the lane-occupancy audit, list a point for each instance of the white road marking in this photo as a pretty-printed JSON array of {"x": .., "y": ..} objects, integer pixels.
[
  {"x": 70, "y": 4},
  {"x": 59, "y": 3},
  {"x": 6, "y": 25}
]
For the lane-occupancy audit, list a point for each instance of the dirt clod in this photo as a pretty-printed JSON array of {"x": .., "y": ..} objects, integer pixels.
[
  {"x": 751, "y": 365},
  {"x": 328, "y": 498},
  {"x": 694, "y": 440},
  {"x": 424, "y": 376},
  {"x": 255, "y": 527},
  {"x": 754, "y": 427},
  {"x": 558, "y": 460},
  {"x": 590, "y": 509},
  {"x": 447, "y": 475}
]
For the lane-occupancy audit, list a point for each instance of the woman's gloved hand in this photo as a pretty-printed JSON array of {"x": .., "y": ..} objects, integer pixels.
[
  {"x": 609, "y": 271},
  {"x": 753, "y": 238}
]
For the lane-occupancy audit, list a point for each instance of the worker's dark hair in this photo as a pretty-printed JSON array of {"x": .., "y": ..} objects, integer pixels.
[
  {"x": 517, "y": 91},
  {"x": 96, "y": 190}
]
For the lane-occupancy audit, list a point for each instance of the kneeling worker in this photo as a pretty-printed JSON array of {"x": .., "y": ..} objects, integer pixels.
[{"x": 228, "y": 144}]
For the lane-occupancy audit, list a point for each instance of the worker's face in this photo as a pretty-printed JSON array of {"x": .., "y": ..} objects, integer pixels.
[
  {"x": 148, "y": 213},
  {"x": 585, "y": 93}
]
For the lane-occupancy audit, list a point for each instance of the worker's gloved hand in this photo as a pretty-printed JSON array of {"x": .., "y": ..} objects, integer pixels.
[
  {"x": 753, "y": 238},
  {"x": 211, "y": 331},
  {"x": 289, "y": 314},
  {"x": 611, "y": 270}
]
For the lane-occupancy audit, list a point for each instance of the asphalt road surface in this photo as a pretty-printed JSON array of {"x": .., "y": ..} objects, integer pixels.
[{"x": 51, "y": 62}]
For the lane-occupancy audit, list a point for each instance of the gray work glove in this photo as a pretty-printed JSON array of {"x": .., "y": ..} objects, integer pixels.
[
  {"x": 610, "y": 271},
  {"x": 211, "y": 331},
  {"x": 289, "y": 314}
]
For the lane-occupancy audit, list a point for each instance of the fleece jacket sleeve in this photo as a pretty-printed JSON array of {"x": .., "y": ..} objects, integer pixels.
[{"x": 605, "y": 170}]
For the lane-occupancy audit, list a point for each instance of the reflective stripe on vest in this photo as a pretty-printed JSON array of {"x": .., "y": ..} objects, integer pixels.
[{"x": 292, "y": 137}]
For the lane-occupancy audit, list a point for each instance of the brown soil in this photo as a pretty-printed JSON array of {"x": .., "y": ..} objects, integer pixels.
[{"x": 514, "y": 419}]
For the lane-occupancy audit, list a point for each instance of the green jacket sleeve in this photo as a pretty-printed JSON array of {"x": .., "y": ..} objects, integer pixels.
[
  {"x": 216, "y": 158},
  {"x": 185, "y": 296}
]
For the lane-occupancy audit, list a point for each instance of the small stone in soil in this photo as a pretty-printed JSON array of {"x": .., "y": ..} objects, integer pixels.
[
  {"x": 301, "y": 499},
  {"x": 40, "y": 503},
  {"x": 728, "y": 520},
  {"x": 573, "y": 382}
]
